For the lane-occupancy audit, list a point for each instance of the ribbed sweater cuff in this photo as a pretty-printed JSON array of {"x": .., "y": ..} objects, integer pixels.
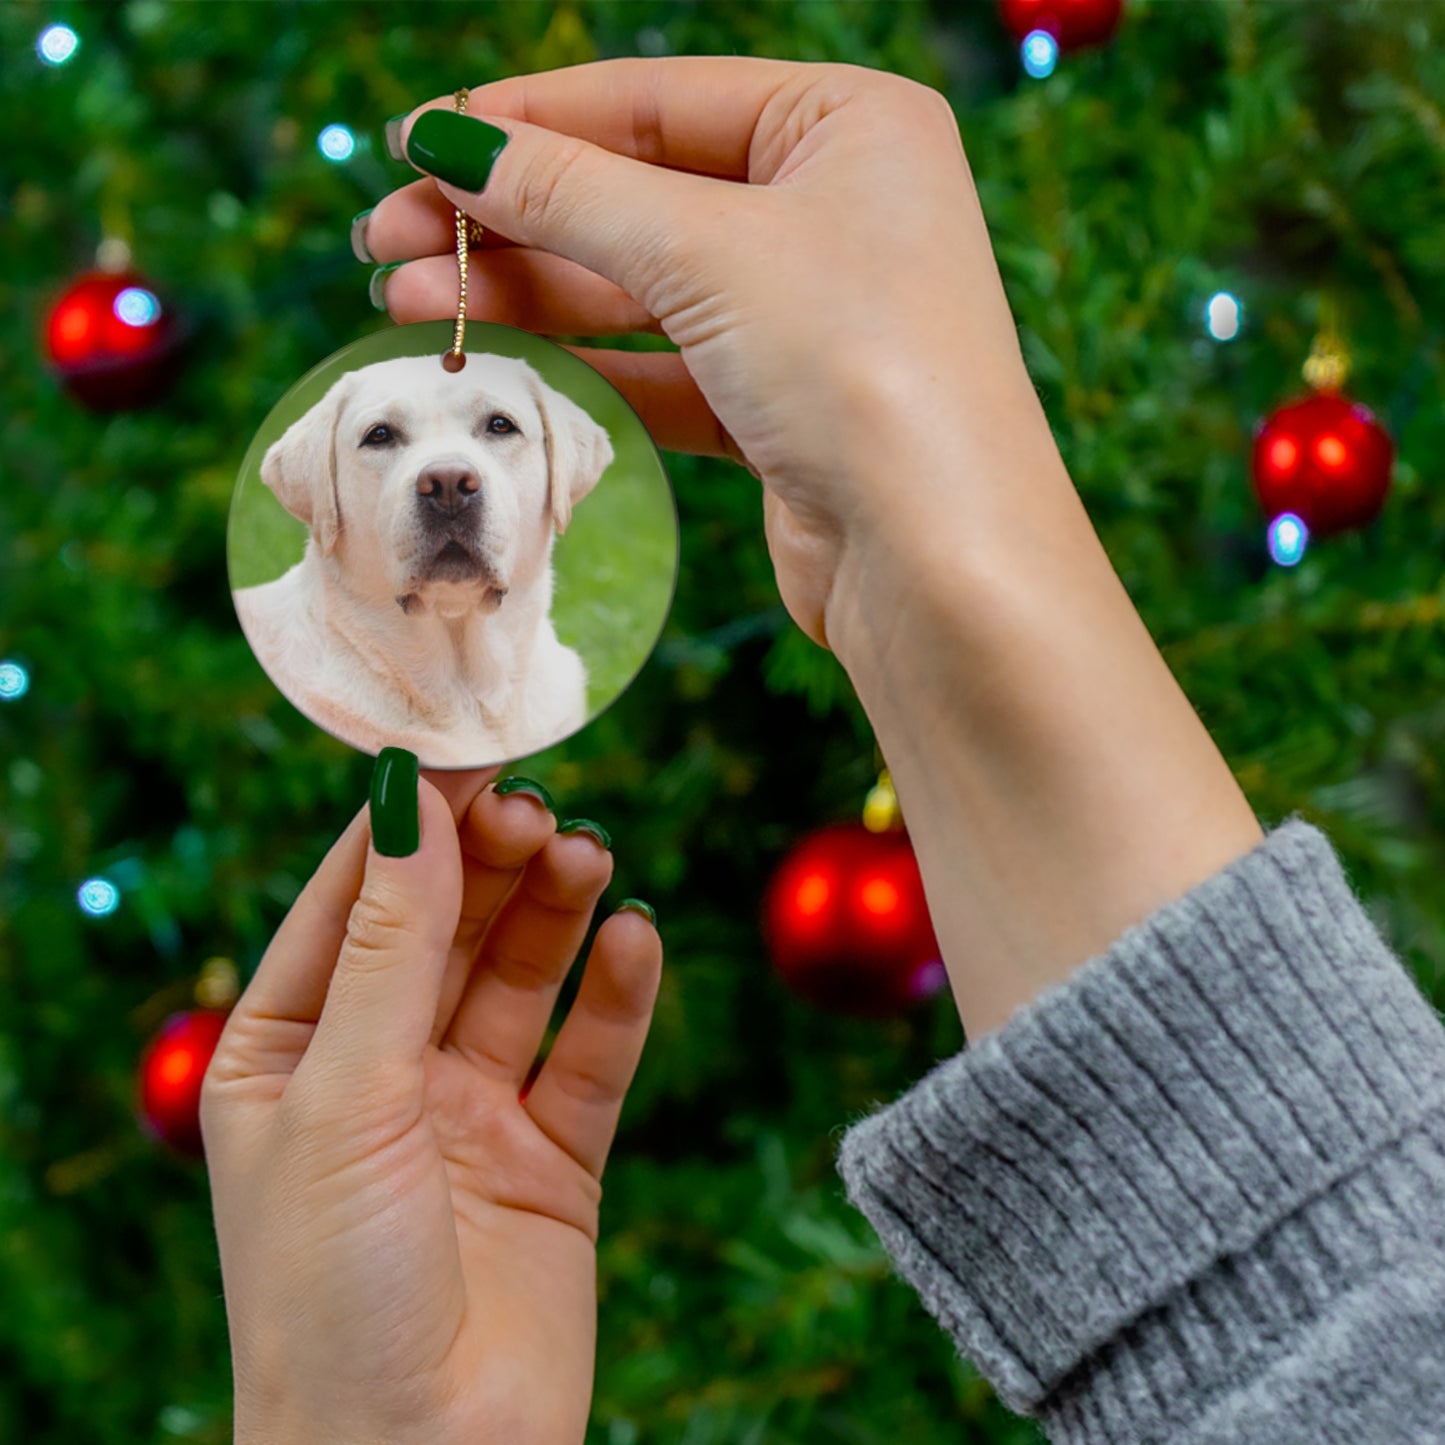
[{"x": 1167, "y": 1151}]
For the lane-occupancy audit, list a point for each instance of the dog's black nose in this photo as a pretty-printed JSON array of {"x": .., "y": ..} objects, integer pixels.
[{"x": 448, "y": 488}]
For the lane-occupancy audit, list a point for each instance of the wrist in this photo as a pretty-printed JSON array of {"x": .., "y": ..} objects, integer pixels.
[
  {"x": 1056, "y": 782},
  {"x": 954, "y": 476}
]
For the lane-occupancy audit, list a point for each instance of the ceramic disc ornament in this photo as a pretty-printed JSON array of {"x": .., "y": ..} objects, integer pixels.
[{"x": 470, "y": 564}]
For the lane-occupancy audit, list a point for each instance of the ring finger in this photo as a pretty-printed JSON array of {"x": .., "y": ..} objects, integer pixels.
[{"x": 416, "y": 220}]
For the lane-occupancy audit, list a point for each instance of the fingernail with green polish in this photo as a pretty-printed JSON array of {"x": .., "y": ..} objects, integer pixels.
[
  {"x": 455, "y": 148},
  {"x": 586, "y": 825},
  {"x": 377, "y": 287},
  {"x": 395, "y": 811},
  {"x": 528, "y": 786},
  {"x": 393, "y": 136},
  {"x": 358, "y": 236},
  {"x": 636, "y": 905}
]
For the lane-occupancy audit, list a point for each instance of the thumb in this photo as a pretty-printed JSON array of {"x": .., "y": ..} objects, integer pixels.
[
  {"x": 633, "y": 223},
  {"x": 382, "y": 1000}
]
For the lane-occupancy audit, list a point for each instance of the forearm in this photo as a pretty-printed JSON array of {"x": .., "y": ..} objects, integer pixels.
[{"x": 1057, "y": 784}]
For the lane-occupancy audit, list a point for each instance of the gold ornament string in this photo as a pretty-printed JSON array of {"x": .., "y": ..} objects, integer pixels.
[{"x": 469, "y": 233}]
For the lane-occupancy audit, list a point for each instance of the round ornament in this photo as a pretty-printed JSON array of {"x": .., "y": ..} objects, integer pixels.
[
  {"x": 172, "y": 1070},
  {"x": 469, "y": 561},
  {"x": 1073, "y": 23},
  {"x": 112, "y": 341},
  {"x": 847, "y": 923},
  {"x": 1324, "y": 458}
]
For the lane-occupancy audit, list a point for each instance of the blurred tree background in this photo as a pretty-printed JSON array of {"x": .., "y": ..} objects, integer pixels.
[{"x": 1281, "y": 152}]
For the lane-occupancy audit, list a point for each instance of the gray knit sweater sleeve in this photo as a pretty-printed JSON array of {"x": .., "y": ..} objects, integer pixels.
[{"x": 1196, "y": 1192}]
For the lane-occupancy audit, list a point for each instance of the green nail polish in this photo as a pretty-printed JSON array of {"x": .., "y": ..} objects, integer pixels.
[
  {"x": 526, "y": 785},
  {"x": 586, "y": 825},
  {"x": 377, "y": 287},
  {"x": 358, "y": 236},
  {"x": 392, "y": 132},
  {"x": 395, "y": 810},
  {"x": 636, "y": 905},
  {"x": 455, "y": 148}
]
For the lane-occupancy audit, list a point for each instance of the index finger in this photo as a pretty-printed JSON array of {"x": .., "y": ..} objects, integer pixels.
[
  {"x": 292, "y": 978},
  {"x": 696, "y": 113}
]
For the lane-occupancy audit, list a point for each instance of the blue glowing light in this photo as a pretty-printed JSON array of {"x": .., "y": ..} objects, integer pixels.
[
  {"x": 137, "y": 307},
  {"x": 1223, "y": 316},
  {"x": 14, "y": 681},
  {"x": 1288, "y": 538},
  {"x": 1040, "y": 53},
  {"x": 927, "y": 979},
  {"x": 57, "y": 44},
  {"x": 98, "y": 897},
  {"x": 336, "y": 143}
]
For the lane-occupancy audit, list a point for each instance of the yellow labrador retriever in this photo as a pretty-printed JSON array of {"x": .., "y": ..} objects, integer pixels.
[{"x": 420, "y": 615}]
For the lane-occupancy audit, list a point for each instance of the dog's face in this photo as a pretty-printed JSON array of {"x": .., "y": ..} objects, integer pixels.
[{"x": 438, "y": 491}]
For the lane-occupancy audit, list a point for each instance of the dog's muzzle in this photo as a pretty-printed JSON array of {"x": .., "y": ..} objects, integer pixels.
[
  {"x": 447, "y": 492},
  {"x": 449, "y": 497}
]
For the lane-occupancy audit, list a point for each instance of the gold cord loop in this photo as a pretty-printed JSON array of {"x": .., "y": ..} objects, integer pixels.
[{"x": 469, "y": 233}]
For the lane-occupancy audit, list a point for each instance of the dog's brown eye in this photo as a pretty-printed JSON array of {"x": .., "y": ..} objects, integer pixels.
[
  {"x": 378, "y": 436},
  {"x": 500, "y": 426}
]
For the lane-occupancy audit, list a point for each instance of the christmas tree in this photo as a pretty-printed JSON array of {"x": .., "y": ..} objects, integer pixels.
[{"x": 1178, "y": 214}]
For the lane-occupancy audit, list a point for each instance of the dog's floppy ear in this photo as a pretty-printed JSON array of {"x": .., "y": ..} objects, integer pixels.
[
  {"x": 300, "y": 468},
  {"x": 578, "y": 450}
]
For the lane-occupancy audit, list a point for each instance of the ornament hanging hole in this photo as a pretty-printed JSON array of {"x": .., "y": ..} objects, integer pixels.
[{"x": 454, "y": 360}]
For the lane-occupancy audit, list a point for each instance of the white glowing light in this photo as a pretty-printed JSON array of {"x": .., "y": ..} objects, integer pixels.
[
  {"x": 336, "y": 143},
  {"x": 1040, "y": 53},
  {"x": 57, "y": 44},
  {"x": 1288, "y": 538},
  {"x": 14, "y": 681},
  {"x": 98, "y": 897},
  {"x": 137, "y": 307},
  {"x": 1223, "y": 316}
]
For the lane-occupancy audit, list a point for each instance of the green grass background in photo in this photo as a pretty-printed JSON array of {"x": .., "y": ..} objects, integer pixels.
[{"x": 615, "y": 569}]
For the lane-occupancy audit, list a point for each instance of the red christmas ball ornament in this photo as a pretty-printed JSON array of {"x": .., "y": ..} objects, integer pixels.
[
  {"x": 112, "y": 342},
  {"x": 1073, "y": 23},
  {"x": 172, "y": 1070},
  {"x": 847, "y": 924},
  {"x": 1324, "y": 458}
]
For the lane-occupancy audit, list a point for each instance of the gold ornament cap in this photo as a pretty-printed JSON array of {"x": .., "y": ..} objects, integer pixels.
[
  {"x": 881, "y": 813},
  {"x": 1328, "y": 366},
  {"x": 218, "y": 985}
]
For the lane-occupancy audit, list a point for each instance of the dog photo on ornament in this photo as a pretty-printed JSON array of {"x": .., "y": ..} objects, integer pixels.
[{"x": 420, "y": 615}]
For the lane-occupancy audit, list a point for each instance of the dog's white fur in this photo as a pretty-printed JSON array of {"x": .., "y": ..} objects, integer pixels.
[{"x": 374, "y": 638}]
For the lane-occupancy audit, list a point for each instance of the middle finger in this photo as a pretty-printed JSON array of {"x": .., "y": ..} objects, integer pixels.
[
  {"x": 416, "y": 220},
  {"x": 518, "y": 286},
  {"x": 499, "y": 835}
]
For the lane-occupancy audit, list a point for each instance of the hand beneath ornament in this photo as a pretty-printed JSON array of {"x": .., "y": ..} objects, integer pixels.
[
  {"x": 407, "y": 1233},
  {"x": 810, "y": 237}
]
